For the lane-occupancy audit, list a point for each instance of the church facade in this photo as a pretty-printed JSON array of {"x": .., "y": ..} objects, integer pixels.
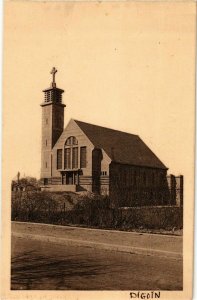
[{"x": 86, "y": 157}]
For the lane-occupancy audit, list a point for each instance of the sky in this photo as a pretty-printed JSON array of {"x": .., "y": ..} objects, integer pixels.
[{"x": 127, "y": 66}]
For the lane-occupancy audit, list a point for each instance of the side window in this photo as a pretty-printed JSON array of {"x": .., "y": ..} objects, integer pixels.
[
  {"x": 135, "y": 178},
  {"x": 83, "y": 155},
  {"x": 59, "y": 158},
  {"x": 144, "y": 178},
  {"x": 104, "y": 173},
  {"x": 153, "y": 178}
]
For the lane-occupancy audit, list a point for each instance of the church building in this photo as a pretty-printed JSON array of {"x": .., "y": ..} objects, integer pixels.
[{"x": 87, "y": 157}]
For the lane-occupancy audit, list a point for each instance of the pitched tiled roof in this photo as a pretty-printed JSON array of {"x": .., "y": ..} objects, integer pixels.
[{"x": 120, "y": 146}]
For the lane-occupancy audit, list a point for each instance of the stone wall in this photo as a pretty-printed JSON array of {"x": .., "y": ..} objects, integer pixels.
[
  {"x": 167, "y": 217},
  {"x": 58, "y": 188},
  {"x": 163, "y": 217}
]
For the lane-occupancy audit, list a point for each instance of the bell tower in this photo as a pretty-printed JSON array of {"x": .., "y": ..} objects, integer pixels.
[{"x": 52, "y": 125}]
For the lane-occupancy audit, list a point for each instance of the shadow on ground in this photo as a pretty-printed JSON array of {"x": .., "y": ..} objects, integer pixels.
[
  {"x": 38, "y": 265},
  {"x": 33, "y": 269}
]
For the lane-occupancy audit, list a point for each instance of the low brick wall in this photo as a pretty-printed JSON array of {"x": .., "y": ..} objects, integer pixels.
[
  {"x": 59, "y": 188},
  {"x": 168, "y": 217}
]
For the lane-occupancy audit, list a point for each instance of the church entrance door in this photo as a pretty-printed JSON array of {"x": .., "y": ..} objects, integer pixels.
[{"x": 70, "y": 178}]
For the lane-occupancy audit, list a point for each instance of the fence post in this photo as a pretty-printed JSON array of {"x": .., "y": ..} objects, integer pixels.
[
  {"x": 179, "y": 190},
  {"x": 172, "y": 187}
]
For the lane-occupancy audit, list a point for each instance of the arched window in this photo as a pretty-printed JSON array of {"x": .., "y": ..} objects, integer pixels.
[
  {"x": 71, "y": 141},
  {"x": 71, "y": 153}
]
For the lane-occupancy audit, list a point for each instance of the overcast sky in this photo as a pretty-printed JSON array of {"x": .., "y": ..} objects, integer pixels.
[{"x": 127, "y": 66}]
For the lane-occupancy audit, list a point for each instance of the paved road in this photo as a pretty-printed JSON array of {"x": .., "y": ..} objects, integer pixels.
[
  {"x": 43, "y": 265},
  {"x": 149, "y": 242}
]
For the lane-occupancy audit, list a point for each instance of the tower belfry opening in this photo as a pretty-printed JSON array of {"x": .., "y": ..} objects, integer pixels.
[{"x": 53, "y": 94}]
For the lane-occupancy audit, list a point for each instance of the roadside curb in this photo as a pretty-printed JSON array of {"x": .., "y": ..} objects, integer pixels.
[
  {"x": 98, "y": 229},
  {"x": 97, "y": 245}
]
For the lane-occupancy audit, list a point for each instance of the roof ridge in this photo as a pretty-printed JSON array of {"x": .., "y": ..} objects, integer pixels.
[
  {"x": 128, "y": 148},
  {"x": 106, "y": 128}
]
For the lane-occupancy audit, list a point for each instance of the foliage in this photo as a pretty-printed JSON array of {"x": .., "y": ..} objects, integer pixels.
[
  {"x": 25, "y": 182},
  {"x": 32, "y": 206},
  {"x": 91, "y": 211},
  {"x": 93, "y": 201}
]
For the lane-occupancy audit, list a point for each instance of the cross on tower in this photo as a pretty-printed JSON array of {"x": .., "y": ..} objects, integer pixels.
[{"x": 53, "y": 71}]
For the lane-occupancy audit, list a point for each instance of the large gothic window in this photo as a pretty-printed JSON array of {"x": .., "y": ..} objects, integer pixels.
[{"x": 71, "y": 153}]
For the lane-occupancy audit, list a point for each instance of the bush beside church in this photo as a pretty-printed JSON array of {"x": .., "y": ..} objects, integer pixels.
[{"x": 91, "y": 211}]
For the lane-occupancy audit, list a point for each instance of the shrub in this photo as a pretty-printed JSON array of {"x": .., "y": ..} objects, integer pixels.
[{"x": 33, "y": 206}]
